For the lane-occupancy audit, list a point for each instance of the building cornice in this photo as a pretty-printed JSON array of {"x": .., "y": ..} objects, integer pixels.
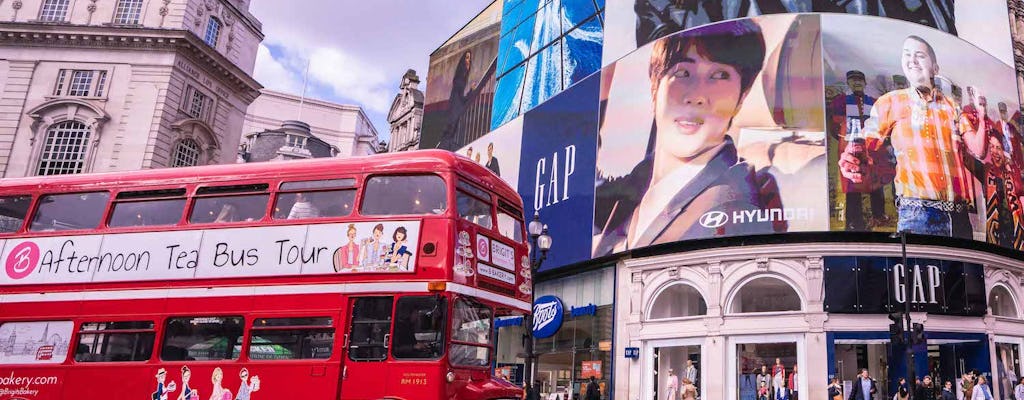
[{"x": 134, "y": 38}]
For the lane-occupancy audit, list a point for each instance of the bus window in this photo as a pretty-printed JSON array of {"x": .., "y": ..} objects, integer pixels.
[
  {"x": 471, "y": 334},
  {"x": 371, "y": 324},
  {"x": 147, "y": 213},
  {"x": 35, "y": 342},
  {"x": 61, "y": 212},
  {"x": 419, "y": 327},
  {"x": 13, "y": 210},
  {"x": 474, "y": 210},
  {"x": 229, "y": 209},
  {"x": 404, "y": 195},
  {"x": 509, "y": 224},
  {"x": 115, "y": 341},
  {"x": 291, "y": 338},
  {"x": 201, "y": 339},
  {"x": 303, "y": 205}
]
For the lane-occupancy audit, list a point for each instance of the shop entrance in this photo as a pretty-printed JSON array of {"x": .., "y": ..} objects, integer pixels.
[
  {"x": 949, "y": 359},
  {"x": 1007, "y": 368},
  {"x": 853, "y": 355}
]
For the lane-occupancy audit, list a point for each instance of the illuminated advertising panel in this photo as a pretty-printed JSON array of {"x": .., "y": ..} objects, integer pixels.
[
  {"x": 783, "y": 123},
  {"x": 460, "y": 84},
  {"x": 917, "y": 139},
  {"x": 633, "y": 23},
  {"x": 545, "y": 47},
  {"x": 715, "y": 131}
]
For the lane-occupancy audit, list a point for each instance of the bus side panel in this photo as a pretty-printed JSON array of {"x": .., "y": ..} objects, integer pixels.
[
  {"x": 290, "y": 380},
  {"x": 111, "y": 381},
  {"x": 412, "y": 380},
  {"x": 36, "y": 383}
]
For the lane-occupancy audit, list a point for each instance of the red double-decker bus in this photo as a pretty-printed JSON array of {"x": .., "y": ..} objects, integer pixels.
[{"x": 367, "y": 278}]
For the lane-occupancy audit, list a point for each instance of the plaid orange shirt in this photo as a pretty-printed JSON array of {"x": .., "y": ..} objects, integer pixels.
[{"x": 931, "y": 159}]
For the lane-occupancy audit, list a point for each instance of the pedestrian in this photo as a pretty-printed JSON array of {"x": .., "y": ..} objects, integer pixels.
[
  {"x": 864, "y": 387},
  {"x": 902, "y": 390},
  {"x": 533, "y": 392},
  {"x": 927, "y": 390},
  {"x": 835, "y": 390},
  {"x": 593, "y": 391},
  {"x": 947, "y": 392},
  {"x": 689, "y": 391},
  {"x": 981, "y": 390},
  {"x": 1018, "y": 392}
]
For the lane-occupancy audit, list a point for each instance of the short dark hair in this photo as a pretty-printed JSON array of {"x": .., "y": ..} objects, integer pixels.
[
  {"x": 739, "y": 44},
  {"x": 931, "y": 51},
  {"x": 398, "y": 230},
  {"x": 378, "y": 227}
]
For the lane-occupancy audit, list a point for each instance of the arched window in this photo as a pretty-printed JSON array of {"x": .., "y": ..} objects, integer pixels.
[
  {"x": 185, "y": 154},
  {"x": 679, "y": 300},
  {"x": 1001, "y": 302},
  {"x": 64, "y": 149},
  {"x": 212, "y": 32},
  {"x": 765, "y": 294}
]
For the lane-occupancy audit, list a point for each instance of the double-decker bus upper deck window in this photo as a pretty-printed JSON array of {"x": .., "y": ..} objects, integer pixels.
[
  {"x": 202, "y": 338},
  {"x": 35, "y": 342},
  {"x": 13, "y": 210},
  {"x": 419, "y": 327},
  {"x": 313, "y": 199},
  {"x": 62, "y": 212},
  {"x": 115, "y": 341},
  {"x": 474, "y": 209},
  {"x": 471, "y": 333},
  {"x": 404, "y": 195},
  {"x": 291, "y": 338},
  {"x": 225, "y": 204},
  {"x": 509, "y": 223},
  {"x": 148, "y": 208},
  {"x": 371, "y": 324}
]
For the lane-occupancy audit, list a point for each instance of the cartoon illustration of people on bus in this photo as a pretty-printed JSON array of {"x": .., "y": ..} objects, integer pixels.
[
  {"x": 219, "y": 392},
  {"x": 163, "y": 390},
  {"x": 247, "y": 387},
  {"x": 187, "y": 393},
  {"x": 373, "y": 249},
  {"x": 399, "y": 254},
  {"x": 347, "y": 257}
]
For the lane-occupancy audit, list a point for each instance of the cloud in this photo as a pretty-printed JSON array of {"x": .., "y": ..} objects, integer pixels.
[{"x": 357, "y": 49}]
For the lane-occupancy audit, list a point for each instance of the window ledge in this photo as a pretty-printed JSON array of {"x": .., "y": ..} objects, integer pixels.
[{"x": 92, "y": 98}]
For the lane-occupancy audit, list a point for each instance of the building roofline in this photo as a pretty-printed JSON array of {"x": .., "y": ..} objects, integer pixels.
[{"x": 449, "y": 39}]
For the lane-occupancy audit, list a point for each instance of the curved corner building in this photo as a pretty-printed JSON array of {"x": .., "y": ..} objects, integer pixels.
[{"x": 728, "y": 185}]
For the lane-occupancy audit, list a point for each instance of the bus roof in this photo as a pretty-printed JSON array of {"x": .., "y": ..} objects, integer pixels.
[{"x": 421, "y": 160}]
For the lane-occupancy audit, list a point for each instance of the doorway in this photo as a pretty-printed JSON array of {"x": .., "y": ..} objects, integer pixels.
[{"x": 854, "y": 355}]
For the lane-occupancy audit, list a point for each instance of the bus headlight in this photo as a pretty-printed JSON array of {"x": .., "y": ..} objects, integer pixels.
[{"x": 450, "y": 377}]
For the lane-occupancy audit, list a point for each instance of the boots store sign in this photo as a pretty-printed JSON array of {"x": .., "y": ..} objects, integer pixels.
[{"x": 875, "y": 285}]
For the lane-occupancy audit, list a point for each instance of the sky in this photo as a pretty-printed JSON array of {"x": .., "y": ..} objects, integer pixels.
[{"x": 357, "y": 50}]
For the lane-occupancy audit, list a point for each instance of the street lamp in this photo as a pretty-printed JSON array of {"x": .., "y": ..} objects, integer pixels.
[
  {"x": 540, "y": 243},
  {"x": 907, "y": 332}
]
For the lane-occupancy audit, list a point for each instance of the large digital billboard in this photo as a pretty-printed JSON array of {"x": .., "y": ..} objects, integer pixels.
[
  {"x": 545, "y": 47},
  {"x": 715, "y": 131},
  {"x": 633, "y": 23},
  {"x": 460, "y": 84},
  {"x": 788, "y": 122}
]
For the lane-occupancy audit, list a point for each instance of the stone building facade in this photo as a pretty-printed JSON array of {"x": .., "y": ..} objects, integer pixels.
[
  {"x": 115, "y": 85},
  {"x": 406, "y": 115},
  {"x": 345, "y": 127},
  {"x": 291, "y": 141}
]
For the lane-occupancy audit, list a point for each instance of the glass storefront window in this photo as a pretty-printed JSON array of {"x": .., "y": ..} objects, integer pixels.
[
  {"x": 579, "y": 350},
  {"x": 1001, "y": 304},
  {"x": 678, "y": 301},
  {"x": 677, "y": 372},
  {"x": 1007, "y": 368},
  {"x": 764, "y": 368},
  {"x": 765, "y": 295}
]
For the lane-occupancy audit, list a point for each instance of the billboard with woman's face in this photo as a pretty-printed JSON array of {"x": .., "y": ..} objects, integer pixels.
[{"x": 715, "y": 131}]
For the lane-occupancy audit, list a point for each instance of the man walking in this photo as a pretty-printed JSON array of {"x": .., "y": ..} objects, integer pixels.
[{"x": 864, "y": 387}]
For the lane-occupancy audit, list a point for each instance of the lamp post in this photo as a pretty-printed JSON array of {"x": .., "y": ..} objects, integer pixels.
[
  {"x": 540, "y": 243},
  {"x": 907, "y": 332}
]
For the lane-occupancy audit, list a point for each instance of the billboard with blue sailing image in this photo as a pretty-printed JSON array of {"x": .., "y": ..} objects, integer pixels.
[
  {"x": 545, "y": 47},
  {"x": 557, "y": 164}
]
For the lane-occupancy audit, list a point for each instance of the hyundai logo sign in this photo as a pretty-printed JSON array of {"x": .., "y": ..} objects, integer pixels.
[
  {"x": 713, "y": 219},
  {"x": 547, "y": 316}
]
